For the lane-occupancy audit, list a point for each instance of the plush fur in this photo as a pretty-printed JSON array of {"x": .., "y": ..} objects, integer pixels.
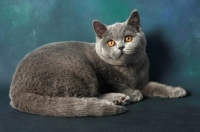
[{"x": 81, "y": 79}]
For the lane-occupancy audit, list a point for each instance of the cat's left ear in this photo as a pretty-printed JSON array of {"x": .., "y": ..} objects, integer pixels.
[
  {"x": 99, "y": 28},
  {"x": 134, "y": 20}
]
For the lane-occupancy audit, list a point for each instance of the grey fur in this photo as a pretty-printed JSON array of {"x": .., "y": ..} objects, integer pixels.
[{"x": 80, "y": 79}]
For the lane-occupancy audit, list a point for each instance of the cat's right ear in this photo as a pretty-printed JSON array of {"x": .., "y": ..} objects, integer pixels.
[{"x": 99, "y": 28}]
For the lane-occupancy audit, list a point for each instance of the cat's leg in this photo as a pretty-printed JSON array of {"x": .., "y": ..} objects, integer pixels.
[
  {"x": 116, "y": 98},
  {"x": 135, "y": 95},
  {"x": 156, "y": 89}
]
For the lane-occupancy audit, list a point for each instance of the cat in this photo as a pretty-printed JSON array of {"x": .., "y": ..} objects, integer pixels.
[{"x": 75, "y": 79}]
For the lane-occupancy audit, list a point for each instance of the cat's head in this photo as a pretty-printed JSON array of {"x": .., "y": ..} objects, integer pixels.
[{"x": 120, "y": 43}]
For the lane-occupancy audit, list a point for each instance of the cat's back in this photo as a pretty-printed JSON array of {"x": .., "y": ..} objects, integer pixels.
[
  {"x": 58, "y": 52},
  {"x": 53, "y": 65},
  {"x": 59, "y": 49},
  {"x": 53, "y": 60}
]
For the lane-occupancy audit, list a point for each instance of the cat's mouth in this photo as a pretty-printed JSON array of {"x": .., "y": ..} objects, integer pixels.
[{"x": 117, "y": 55}]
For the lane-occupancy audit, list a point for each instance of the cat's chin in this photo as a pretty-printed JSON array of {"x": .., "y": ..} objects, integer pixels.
[
  {"x": 117, "y": 55},
  {"x": 116, "y": 61}
]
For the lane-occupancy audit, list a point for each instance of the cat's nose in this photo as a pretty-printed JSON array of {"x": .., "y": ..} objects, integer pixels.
[{"x": 121, "y": 47}]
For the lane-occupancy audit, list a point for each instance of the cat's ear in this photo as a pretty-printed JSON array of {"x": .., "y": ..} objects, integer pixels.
[
  {"x": 99, "y": 28},
  {"x": 134, "y": 20}
]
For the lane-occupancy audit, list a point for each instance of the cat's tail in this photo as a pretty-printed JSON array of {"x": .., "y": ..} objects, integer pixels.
[{"x": 60, "y": 106}]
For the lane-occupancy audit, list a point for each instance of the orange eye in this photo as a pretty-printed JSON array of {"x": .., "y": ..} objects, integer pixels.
[
  {"x": 111, "y": 43},
  {"x": 128, "y": 38}
]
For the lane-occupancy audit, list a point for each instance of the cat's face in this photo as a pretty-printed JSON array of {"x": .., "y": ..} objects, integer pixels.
[{"x": 120, "y": 43}]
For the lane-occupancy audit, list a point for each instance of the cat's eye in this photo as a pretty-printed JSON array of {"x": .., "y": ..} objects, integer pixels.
[
  {"x": 111, "y": 43},
  {"x": 128, "y": 38}
]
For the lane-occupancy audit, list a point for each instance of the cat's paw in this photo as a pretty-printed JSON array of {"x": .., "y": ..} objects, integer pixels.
[
  {"x": 107, "y": 102},
  {"x": 136, "y": 96},
  {"x": 122, "y": 99},
  {"x": 178, "y": 92}
]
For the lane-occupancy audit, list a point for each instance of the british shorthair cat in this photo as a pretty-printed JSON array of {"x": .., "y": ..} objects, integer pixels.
[{"x": 74, "y": 79}]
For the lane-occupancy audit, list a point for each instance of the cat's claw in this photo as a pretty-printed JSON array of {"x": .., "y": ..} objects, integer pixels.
[{"x": 122, "y": 100}]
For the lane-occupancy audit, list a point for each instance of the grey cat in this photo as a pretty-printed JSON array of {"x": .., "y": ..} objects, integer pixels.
[{"x": 81, "y": 79}]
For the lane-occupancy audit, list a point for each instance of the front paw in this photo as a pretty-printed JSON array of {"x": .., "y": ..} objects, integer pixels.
[
  {"x": 136, "y": 96},
  {"x": 122, "y": 100},
  {"x": 178, "y": 92}
]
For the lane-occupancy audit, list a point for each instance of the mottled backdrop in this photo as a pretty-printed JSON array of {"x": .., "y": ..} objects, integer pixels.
[{"x": 172, "y": 28}]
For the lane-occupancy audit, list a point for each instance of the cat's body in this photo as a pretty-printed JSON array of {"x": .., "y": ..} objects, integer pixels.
[{"x": 81, "y": 79}]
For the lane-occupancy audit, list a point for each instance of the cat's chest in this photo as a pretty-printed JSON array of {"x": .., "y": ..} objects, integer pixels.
[{"x": 119, "y": 75}]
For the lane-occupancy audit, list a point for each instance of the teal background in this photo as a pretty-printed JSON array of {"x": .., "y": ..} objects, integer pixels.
[{"x": 172, "y": 29}]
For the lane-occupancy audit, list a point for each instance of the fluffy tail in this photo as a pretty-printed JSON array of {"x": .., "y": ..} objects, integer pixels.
[{"x": 60, "y": 106}]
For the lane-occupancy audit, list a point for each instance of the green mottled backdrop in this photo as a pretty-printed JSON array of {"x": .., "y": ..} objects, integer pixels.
[{"x": 172, "y": 28}]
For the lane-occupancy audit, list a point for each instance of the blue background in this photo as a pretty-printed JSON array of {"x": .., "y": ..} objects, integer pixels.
[{"x": 172, "y": 29}]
